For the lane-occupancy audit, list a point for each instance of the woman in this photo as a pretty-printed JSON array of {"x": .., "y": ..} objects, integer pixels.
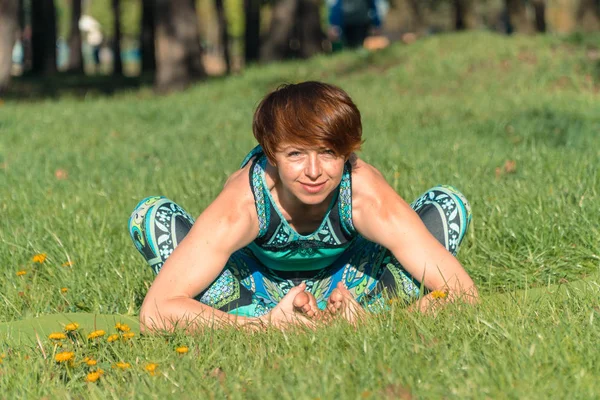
[{"x": 305, "y": 229}]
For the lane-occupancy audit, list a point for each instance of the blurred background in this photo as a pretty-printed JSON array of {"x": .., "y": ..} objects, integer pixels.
[{"x": 171, "y": 43}]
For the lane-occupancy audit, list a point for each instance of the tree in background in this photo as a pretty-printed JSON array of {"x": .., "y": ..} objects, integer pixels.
[
  {"x": 295, "y": 30},
  {"x": 539, "y": 8},
  {"x": 178, "y": 52},
  {"x": 588, "y": 15},
  {"x": 116, "y": 40},
  {"x": 276, "y": 43},
  {"x": 518, "y": 21},
  {"x": 251, "y": 31},
  {"x": 9, "y": 26},
  {"x": 464, "y": 15},
  {"x": 223, "y": 33},
  {"x": 147, "y": 50},
  {"x": 517, "y": 17},
  {"x": 75, "y": 54},
  {"x": 43, "y": 37},
  {"x": 308, "y": 28}
]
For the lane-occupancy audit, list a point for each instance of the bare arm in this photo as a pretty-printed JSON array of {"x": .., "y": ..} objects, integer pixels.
[
  {"x": 228, "y": 224},
  {"x": 382, "y": 216}
]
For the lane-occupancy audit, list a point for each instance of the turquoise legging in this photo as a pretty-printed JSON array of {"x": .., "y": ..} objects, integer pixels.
[{"x": 246, "y": 287}]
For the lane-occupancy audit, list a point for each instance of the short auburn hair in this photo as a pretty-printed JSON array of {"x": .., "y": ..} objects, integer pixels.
[{"x": 308, "y": 114}]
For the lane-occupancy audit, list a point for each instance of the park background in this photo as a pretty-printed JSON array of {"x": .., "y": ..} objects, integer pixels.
[{"x": 504, "y": 110}]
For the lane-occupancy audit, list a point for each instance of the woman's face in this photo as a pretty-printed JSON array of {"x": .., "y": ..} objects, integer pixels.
[{"x": 309, "y": 174}]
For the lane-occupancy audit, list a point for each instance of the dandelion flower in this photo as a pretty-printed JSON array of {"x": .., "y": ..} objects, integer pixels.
[
  {"x": 94, "y": 375},
  {"x": 90, "y": 361},
  {"x": 122, "y": 327},
  {"x": 96, "y": 334},
  {"x": 112, "y": 338},
  {"x": 64, "y": 290},
  {"x": 73, "y": 326},
  {"x": 151, "y": 368},
  {"x": 182, "y": 350},
  {"x": 128, "y": 335},
  {"x": 438, "y": 294},
  {"x": 122, "y": 365},
  {"x": 67, "y": 264},
  {"x": 39, "y": 258},
  {"x": 21, "y": 273},
  {"x": 64, "y": 356},
  {"x": 57, "y": 336}
]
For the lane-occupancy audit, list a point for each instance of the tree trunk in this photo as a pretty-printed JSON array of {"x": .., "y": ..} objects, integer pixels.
[
  {"x": 310, "y": 34},
  {"x": 75, "y": 55},
  {"x": 252, "y": 31},
  {"x": 223, "y": 34},
  {"x": 9, "y": 26},
  {"x": 464, "y": 15},
  {"x": 25, "y": 37},
  {"x": 588, "y": 15},
  {"x": 43, "y": 37},
  {"x": 116, "y": 44},
  {"x": 420, "y": 24},
  {"x": 147, "y": 37},
  {"x": 179, "y": 56},
  {"x": 517, "y": 17},
  {"x": 539, "y": 7},
  {"x": 276, "y": 45}
]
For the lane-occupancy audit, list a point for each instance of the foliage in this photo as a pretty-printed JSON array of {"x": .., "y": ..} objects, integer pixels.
[{"x": 512, "y": 122}]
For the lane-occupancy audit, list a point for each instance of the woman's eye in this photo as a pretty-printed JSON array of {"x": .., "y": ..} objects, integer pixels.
[
  {"x": 293, "y": 153},
  {"x": 330, "y": 152}
]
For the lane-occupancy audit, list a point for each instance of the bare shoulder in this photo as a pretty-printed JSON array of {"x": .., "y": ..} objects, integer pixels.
[
  {"x": 368, "y": 185},
  {"x": 236, "y": 199}
]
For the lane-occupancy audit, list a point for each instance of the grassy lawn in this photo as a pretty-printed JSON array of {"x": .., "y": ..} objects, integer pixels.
[{"x": 514, "y": 123}]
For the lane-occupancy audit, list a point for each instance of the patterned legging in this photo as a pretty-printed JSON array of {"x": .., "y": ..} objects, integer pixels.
[{"x": 246, "y": 287}]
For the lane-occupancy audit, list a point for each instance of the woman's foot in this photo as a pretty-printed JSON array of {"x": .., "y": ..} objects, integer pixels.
[
  {"x": 342, "y": 303},
  {"x": 305, "y": 303}
]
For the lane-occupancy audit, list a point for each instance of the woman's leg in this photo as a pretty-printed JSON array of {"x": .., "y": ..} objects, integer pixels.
[
  {"x": 369, "y": 270},
  {"x": 158, "y": 225},
  {"x": 244, "y": 287}
]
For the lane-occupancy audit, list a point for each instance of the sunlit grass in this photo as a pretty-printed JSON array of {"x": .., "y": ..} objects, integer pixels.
[{"x": 513, "y": 123}]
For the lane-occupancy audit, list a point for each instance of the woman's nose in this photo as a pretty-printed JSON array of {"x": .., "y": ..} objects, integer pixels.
[{"x": 313, "y": 167}]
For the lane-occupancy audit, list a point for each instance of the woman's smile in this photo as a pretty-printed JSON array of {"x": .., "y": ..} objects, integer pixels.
[{"x": 313, "y": 188}]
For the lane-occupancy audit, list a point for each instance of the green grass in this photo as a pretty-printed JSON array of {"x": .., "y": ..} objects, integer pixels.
[{"x": 449, "y": 109}]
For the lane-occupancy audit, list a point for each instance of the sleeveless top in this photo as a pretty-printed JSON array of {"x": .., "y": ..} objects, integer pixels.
[{"x": 278, "y": 246}]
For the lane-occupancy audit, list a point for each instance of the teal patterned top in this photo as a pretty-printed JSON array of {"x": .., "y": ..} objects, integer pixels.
[{"x": 278, "y": 246}]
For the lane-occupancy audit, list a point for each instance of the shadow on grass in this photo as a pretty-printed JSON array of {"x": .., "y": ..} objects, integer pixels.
[{"x": 28, "y": 87}]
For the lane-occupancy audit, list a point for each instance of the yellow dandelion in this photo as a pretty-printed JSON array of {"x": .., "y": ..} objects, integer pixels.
[
  {"x": 64, "y": 356},
  {"x": 90, "y": 361},
  {"x": 112, "y": 338},
  {"x": 64, "y": 290},
  {"x": 73, "y": 326},
  {"x": 122, "y": 365},
  {"x": 151, "y": 368},
  {"x": 94, "y": 375},
  {"x": 21, "y": 273},
  {"x": 122, "y": 327},
  {"x": 438, "y": 294},
  {"x": 96, "y": 334},
  {"x": 182, "y": 350},
  {"x": 67, "y": 264},
  {"x": 57, "y": 336},
  {"x": 128, "y": 335},
  {"x": 39, "y": 258}
]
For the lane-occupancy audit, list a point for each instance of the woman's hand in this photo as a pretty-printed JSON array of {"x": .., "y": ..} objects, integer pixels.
[{"x": 284, "y": 314}]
